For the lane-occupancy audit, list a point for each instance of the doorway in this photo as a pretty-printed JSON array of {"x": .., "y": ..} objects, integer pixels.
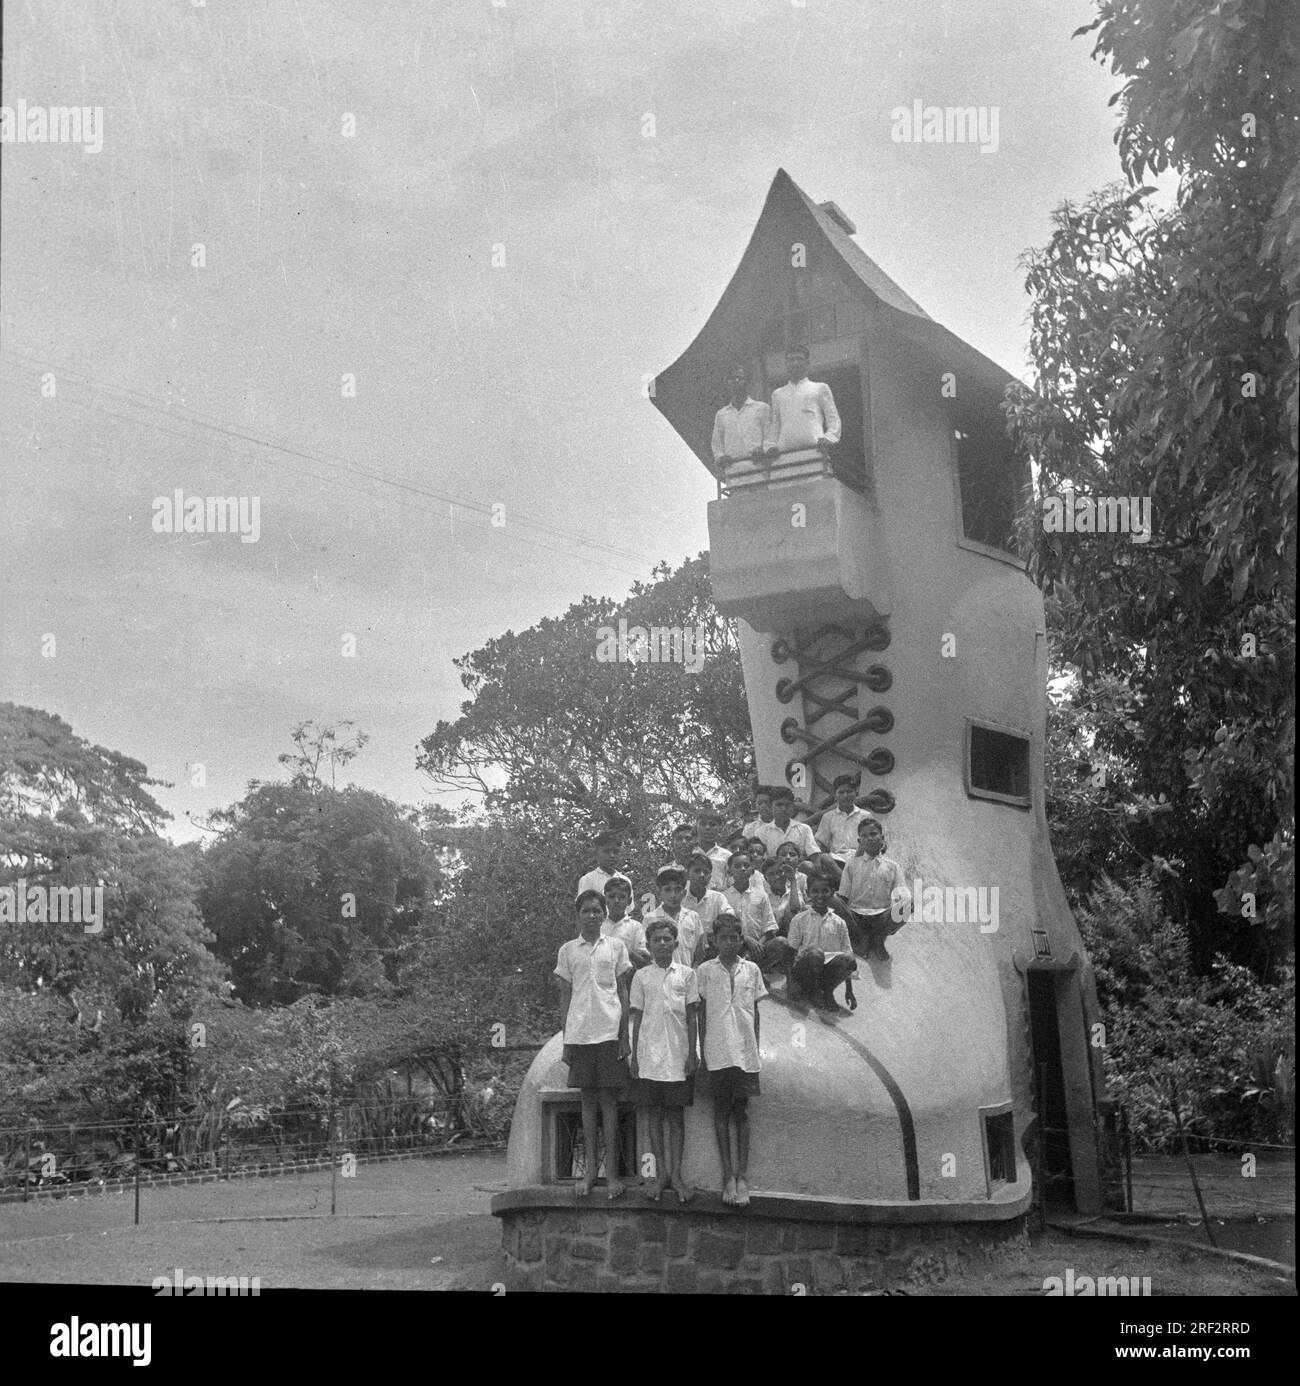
[{"x": 1057, "y": 1173}]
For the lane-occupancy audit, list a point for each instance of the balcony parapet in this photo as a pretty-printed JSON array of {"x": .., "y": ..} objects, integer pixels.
[
  {"x": 792, "y": 541},
  {"x": 762, "y": 472}
]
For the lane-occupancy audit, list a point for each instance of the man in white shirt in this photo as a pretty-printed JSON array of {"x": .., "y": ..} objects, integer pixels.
[
  {"x": 740, "y": 428},
  {"x": 803, "y": 413}
]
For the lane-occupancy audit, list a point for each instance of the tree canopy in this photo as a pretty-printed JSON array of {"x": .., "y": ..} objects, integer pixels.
[
  {"x": 548, "y": 721},
  {"x": 1164, "y": 348}
]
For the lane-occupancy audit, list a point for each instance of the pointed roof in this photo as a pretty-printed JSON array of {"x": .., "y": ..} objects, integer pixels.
[{"x": 684, "y": 392}]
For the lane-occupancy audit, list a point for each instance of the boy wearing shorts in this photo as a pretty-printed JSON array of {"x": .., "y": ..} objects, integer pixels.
[
  {"x": 593, "y": 974},
  {"x": 730, "y": 990},
  {"x": 665, "y": 1003}
]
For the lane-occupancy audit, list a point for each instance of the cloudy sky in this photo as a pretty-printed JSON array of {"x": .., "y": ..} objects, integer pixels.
[{"x": 351, "y": 172}]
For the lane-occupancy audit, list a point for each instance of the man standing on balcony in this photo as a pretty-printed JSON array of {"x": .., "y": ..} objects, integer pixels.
[
  {"x": 740, "y": 428},
  {"x": 803, "y": 411}
]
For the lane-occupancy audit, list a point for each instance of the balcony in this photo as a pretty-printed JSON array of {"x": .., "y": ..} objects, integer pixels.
[{"x": 790, "y": 540}]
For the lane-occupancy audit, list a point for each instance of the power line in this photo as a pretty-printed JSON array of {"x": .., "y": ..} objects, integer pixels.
[{"x": 138, "y": 400}]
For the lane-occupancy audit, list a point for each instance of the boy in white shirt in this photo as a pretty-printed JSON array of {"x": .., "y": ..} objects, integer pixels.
[
  {"x": 822, "y": 951},
  {"x": 783, "y": 829},
  {"x": 747, "y": 900},
  {"x": 837, "y": 833},
  {"x": 870, "y": 888},
  {"x": 708, "y": 824},
  {"x": 670, "y": 881},
  {"x": 621, "y": 925},
  {"x": 684, "y": 847},
  {"x": 593, "y": 972},
  {"x": 607, "y": 853},
  {"x": 730, "y": 990},
  {"x": 784, "y": 891},
  {"x": 665, "y": 1004},
  {"x": 700, "y": 897},
  {"x": 762, "y": 812}
]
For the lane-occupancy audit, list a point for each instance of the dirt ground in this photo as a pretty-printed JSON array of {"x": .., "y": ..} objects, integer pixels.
[{"x": 425, "y": 1225}]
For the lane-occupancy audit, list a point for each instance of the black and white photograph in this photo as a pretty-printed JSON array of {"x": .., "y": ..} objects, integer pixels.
[{"x": 647, "y": 647}]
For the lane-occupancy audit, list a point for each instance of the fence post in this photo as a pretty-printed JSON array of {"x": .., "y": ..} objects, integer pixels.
[
  {"x": 1128, "y": 1158},
  {"x": 137, "y": 1174},
  {"x": 334, "y": 1169},
  {"x": 27, "y": 1161}
]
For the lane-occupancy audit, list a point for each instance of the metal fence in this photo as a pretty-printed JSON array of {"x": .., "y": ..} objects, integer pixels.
[{"x": 245, "y": 1137}]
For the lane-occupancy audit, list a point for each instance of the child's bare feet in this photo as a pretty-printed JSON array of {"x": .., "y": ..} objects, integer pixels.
[
  {"x": 657, "y": 1190},
  {"x": 742, "y": 1194},
  {"x": 683, "y": 1190},
  {"x": 582, "y": 1189},
  {"x": 729, "y": 1191},
  {"x": 616, "y": 1189}
]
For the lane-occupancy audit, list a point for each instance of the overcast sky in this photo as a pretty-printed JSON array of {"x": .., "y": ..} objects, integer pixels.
[{"x": 477, "y": 125}]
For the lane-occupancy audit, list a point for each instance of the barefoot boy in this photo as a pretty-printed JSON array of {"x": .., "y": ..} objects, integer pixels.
[
  {"x": 730, "y": 990},
  {"x": 665, "y": 1009},
  {"x": 871, "y": 885},
  {"x": 821, "y": 950},
  {"x": 593, "y": 977}
]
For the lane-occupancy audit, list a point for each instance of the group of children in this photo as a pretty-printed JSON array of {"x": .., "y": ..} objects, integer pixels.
[{"x": 658, "y": 999}]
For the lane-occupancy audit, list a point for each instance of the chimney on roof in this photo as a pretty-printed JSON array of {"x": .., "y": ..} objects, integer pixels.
[{"x": 838, "y": 216}]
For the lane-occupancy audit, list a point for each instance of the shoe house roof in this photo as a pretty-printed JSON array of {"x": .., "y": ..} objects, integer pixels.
[{"x": 685, "y": 392}]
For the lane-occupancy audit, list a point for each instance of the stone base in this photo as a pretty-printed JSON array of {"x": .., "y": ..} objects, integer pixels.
[{"x": 556, "y": 1242}]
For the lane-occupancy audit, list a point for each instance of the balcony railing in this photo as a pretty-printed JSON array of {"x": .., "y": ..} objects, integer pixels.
[{"x": 764, "y": 473}]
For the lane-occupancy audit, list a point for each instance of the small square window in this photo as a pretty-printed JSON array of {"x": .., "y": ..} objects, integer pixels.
[
  {"x": 998, "y": 765},
  {"x": 1000, "y": 1143},
  {"x": 569, "y": 1150}
]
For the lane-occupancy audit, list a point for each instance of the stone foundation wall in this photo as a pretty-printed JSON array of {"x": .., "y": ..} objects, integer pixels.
[{"x": 706, "y": 1251}]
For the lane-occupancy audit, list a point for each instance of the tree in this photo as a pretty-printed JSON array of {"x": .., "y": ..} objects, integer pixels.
[
  {"x": 1165, "y": 348},
  {"x": 93, "y": 1024},
  {"x": 1182, "y": 1050},
  {"x": 318, "y": 744},
  {"x": 310, "y": 889},
  {"x": 552, "y": 722},
  {"x": 49, "y": 776},
  {"x": 76, "y": 815}
]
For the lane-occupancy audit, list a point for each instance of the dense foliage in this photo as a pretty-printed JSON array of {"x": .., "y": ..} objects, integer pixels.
[{"x": 1165, "y": 347}]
